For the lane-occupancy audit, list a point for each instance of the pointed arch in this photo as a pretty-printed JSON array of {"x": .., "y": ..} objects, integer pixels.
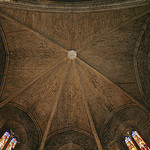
[
  {"x": 70, "y": 135},
  {"x": 4, "y": 59},
  {"x": 23, "y": 125},
  {"x": 140, "y": 63},
  {"x": 128, "y": 117}
]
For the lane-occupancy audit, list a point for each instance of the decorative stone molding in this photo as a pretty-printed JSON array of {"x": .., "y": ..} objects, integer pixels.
[{"x": 88, "y": 6}]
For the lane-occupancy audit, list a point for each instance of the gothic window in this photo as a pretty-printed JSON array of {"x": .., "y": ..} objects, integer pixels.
[
  {"x": 133, "y": 141},
  {"x": 140, "y": 142},
  {"x": 12, "y": 144},
  {"x": 8, "y": 141},
  {"x": 130, "y": 144},
  {"x": 4, "y": 140}
]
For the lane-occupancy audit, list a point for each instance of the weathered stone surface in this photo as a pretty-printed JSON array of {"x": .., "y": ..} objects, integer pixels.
[
  {"x": 29, "y": 57},
  {"x": 98, "y": 93}
]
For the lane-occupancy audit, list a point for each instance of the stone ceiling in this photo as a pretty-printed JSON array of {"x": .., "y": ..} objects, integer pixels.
[{"x": 80, "y": 94}]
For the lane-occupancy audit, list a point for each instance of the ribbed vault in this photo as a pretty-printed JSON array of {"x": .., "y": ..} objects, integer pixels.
[{"x": 84, "y": 93}]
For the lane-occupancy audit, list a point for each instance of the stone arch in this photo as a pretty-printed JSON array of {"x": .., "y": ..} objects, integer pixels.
[
  {"x": 77, "y": 138},
  {"x": 141, "y": 63},
  {"x": 81, "y": 5},
  {"x": 131, "y": 117},
  {"x": 16, "y": 119},
  {"x": 71, "y": 146},
  {"x": 4, "y": 59},
  {"x": 19, "y": 132}
]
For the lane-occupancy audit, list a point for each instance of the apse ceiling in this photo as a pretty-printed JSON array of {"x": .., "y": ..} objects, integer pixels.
[{"x": 80, "y": 91}]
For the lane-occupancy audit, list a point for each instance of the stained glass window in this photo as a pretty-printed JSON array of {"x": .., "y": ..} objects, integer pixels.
[
  {"x": 130, "y": 144},
  {"x": 140, "y": 142},
  {"x": 4, "y": 140},
  {"x": 12, "y": 144}
]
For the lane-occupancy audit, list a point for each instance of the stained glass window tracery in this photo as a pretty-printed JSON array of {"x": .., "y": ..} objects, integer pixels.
[
  {"x": 4, "y": 140},
  {"x": 140, "y": 142},
  {"x": 130, "y": 144},
  {"x": 12, "y": 144}
]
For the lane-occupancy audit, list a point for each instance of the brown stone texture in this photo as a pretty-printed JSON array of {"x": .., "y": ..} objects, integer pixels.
[{"x": 87, "y": 102}]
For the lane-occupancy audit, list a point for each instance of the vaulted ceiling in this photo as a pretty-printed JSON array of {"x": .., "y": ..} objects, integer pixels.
[{"x": 76, "y": 104}]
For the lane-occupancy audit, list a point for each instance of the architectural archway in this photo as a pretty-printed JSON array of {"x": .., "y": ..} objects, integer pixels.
[
  {"x": 79, "y": 140},
  {"x": 22, "y": 125},
  {"x": 4, "y": 58},
  {"x": 141, "y": 63},
  {"x": 131, "y": 117}
]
